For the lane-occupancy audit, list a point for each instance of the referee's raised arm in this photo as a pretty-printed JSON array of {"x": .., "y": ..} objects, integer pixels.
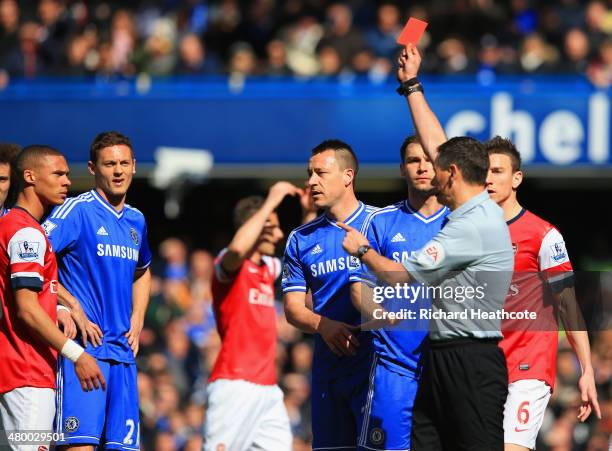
[{"x": 426, "y": 124}]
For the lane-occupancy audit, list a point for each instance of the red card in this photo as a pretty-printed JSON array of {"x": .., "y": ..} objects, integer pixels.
[{"x": 412, "y": 32}]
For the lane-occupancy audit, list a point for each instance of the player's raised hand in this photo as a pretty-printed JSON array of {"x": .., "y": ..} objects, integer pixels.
[
  {"x": 66, "y": 323},
  {"x": 409, "y": 62},
  {"x": 133, "y": 335},
  {"x": 588, "y": 395},
  {"x": 89, "y": 373},
  {"x": 279, "y": 190},
  {"x": 353, "y": 239},
  {"x": 339, "y": 337}
]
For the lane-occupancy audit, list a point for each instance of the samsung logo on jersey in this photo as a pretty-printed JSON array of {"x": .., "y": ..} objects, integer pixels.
[
  {"x": 403, "y": 256},
  {"x": 114, "y": 250},
  {"x": 333, "y": 265}
]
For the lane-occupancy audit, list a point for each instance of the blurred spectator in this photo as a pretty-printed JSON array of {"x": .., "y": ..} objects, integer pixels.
[
  {"x": 600, "y": 70},
  {"x": 340, "y": 36},
  {"x": 159, "y": 53},
  {"x": 54, "y": 31},
  {"x": 576, "y": 48},
  {"x": 193, "y": 57},
  {"x": 302, "y": 39},
  {"x": 276, "y": 64},
  {"x": 26, "y": 60},
  {"x": 453, "y": 57},
  {"x": 537, "y": 56},
  {"x": 9, "y": 27},
  {"x": 242, "y": 60},
  {"x": 382, "y": 38}
]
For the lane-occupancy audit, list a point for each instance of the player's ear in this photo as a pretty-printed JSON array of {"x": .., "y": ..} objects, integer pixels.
[
  {"x": 402, "y": 170},
  {"x": 348, "y": 176},
  {"x": 517, "y": 179},
  {"x": 28, "y": 176},
  {"x": 91, "y": 167},
  {"x": 134, "y": 166}
]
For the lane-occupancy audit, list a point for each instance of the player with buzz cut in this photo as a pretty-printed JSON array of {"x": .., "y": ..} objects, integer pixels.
[
  {"x": 539, "y": 255},
  {"x": 396, "y": 232},
  {"x": 29, "y": 337},
  {"x": 316, "y": 262},
  {"x": 104, "y": 257}
]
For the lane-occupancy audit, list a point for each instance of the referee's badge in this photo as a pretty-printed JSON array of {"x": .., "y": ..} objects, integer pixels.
[
  {"x": 134, "y": 236},
  {"x": 377, "y": 436},
  {"x": 71, "y": 424}
]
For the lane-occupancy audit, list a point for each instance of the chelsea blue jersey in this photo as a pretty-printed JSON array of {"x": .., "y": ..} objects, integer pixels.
[
  {"x": 396, "y": 232},
  {"x": 316, "y": 261},
  {"x": 98, "y": 251}
]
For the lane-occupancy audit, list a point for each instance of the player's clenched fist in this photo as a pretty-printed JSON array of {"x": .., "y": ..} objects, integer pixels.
[
  {"x": 89, "y": 373},
  {"x": 339, "y": 337},
  {"x": 353, "y": 239}
]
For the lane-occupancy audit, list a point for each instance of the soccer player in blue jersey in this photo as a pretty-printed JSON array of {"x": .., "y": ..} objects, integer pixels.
[
  {"x": 316, "y": 262},
  {"x": 103, "y": 257},
  {"x": 396, "y": 232}
]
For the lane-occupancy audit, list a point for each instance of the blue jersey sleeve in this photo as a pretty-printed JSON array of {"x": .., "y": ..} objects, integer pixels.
[
  {"x": 63, "y": 226},
  {"x": 360, "y": 273},
  {"x": 144, "y": 255},
  {"x": 293, "y": 278}
]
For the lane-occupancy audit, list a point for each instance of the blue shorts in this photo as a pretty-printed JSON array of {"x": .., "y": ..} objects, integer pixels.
[
  {"x": 387, "y": 423},
  {"x": 100, "y": 418},
  {"x": 337, "y": 411}
]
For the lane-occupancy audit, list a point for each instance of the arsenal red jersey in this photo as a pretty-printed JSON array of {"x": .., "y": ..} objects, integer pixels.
[
  {"x": 246, "y": 320},
  {"x": 26, "y": 261},
  {"x": 540, "y": 262}
]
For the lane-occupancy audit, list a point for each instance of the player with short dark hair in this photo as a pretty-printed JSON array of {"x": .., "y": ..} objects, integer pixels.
[
  {"x": 396, "y": 232},
  {"x": 8, "y": 152},
  {"x": 29, "y": 337},
  {"x": 104, "y": 258},
  {"x": 245, "y": 407},
  {"x": 543, "y": 283},
  {"x": 315, "y": 262}
]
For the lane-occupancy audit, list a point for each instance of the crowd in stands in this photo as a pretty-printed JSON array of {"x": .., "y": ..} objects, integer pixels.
[
  {"x": 179, "y": 344},
  {"x": 301, "y": 38}
]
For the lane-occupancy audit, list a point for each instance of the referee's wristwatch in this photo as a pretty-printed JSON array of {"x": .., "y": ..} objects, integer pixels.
[
  {"x": 361, "y": 251},
  {"x": 409, "y": 87}
]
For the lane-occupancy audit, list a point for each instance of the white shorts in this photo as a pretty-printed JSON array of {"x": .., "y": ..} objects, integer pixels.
[
  {"x": 27, "y": 409},
  {"x": 244, "y": 416},
  {"x": 524, "y": 411}
]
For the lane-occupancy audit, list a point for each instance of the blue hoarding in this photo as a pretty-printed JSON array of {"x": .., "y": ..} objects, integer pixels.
[{"x": 554, "y": 122}]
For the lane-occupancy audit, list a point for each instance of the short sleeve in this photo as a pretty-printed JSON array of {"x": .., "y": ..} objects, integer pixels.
[
  {"x": 554, "y": 262},
  {"x": 293, "y": 277},
  {"x": 144, "y": 254},
  {"x": 274, "y": 265},
  {"x": 27, "y": 250},
  {"x": 63, "y": 226},
  {"x": 221, "y": 274},
  {"x": 455, "y": 247}
]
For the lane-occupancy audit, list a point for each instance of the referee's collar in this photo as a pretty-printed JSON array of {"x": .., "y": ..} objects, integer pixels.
[{"x": 467, "y": 206}]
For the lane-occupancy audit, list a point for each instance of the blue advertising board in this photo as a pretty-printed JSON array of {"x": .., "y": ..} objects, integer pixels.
[{"x": 555, "y": 122}]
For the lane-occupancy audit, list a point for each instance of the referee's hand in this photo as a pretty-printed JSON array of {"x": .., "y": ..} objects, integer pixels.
[
  {"x": 339, "y": 337},
  {"x": 588, "y": 395}
]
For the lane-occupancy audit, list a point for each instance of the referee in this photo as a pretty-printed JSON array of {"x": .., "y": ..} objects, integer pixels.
[{"x": 469, "y": 265}]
